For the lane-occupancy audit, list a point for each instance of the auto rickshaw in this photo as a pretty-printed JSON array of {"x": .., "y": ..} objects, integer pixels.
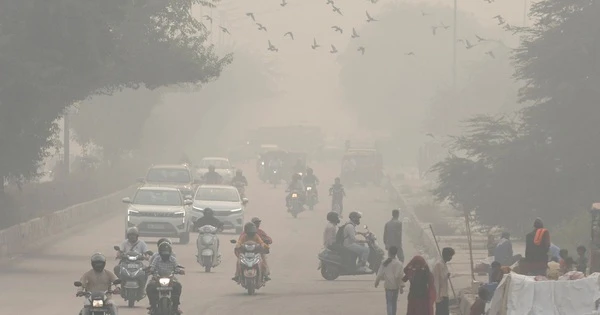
[
  {"x": 265, "y": 158},
  {"x": 594, "y": 247},
  {"x": 362, "y": 166}
]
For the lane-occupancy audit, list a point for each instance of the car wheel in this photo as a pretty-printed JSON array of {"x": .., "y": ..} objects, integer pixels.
[{"x": 184, "y": 238}]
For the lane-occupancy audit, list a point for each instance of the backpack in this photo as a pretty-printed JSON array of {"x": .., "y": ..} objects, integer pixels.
[{"x": 339, "y": 236}]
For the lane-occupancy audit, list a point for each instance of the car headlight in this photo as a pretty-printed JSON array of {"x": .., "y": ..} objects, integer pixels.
[
  {"x": 179, "y": 214},
  {"x": 197, "y": 209},
  {"x": 294, "y": 195},
  {"x": 132, "y": 212},
  {"x": 97, "y": 303},
  {"x": 236, "y": 210},
  {"x": 164, "y": 281}
]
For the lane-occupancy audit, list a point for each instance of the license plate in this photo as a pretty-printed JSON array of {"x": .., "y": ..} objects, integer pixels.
[
  {"x": 132, "y": 266},
  {"x": 156, "y": 226},
  {"x": 164, "y": 288}
]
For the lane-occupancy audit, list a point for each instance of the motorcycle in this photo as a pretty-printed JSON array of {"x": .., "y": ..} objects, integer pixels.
[
  {"x": 342, "y": 262},
  {"x": 131, "y": 272},
  {"x": 208, "y": 247},
  {"x": 165, "y": 287},
  {"x": 295, "y": 204},
  {"x": 241, "y": 187},
  {"x": 96, "y": 303},
  {"x": 274, "y": 177},
  {"x": 250, "y": 260},
  {"x": 311, "y": 196}
]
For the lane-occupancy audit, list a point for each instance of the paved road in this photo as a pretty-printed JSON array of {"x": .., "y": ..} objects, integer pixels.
[{"x": 41, "y": 283}]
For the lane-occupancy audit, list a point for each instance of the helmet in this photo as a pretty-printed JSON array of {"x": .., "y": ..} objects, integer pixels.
[
  {"x": 333, "y": 217},
  {"x": 238, "y": 172},
  {"x": 98, "y": 262},
  {"x": 354, "y": 217},
  {"x": 211, "y": 168},
  {"x": 133, "y": 231},
  {"x": 208, "y": 212},
  {"x": 337, "y": 180},
  {"x": 256, "y": 221},
  {"x": 309, "y": 171},
  {"x": 163, "y": 240},
  {"x": 250, "y": 229},
  {"x": 165, "y": 250}
]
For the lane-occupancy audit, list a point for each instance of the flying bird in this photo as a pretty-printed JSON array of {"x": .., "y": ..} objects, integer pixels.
[
  {"x": 468, "y": 44},
  {"x": 289, "y": 33},
  {"x": 283, "y": 3},
  {"x": 208, "y": 18},
  {"x": 500, "y": 19},
  {"x": 361, "y": 49},
  {"x": 338, "y": 29},
  {"x": 337, "y": 10},
  {"x": 225, "y": 30},
  {"x": 423, "y": 13},
  {"x": 444, "y": 25},
  {"x": 410, "y": 53},
  {"x": 491, "y": 54},
  {"x": 333, "y": 49},
  {"x": 479, "y": 38},
  {"x": 434, "y": 29},
  {"x": 369, "y": 18},
  {"x": 251, "y": 15},
  {"x": 354, "y": 33},
  {"x": 261, "y": 27},
  {"x": 315, "y": 45},
  {"x": 271, "y": 47}
]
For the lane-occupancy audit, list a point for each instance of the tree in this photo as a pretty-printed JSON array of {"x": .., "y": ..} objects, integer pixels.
[
  {"x": 550, "y": 168},
  {"x": 54, "y": 53}
]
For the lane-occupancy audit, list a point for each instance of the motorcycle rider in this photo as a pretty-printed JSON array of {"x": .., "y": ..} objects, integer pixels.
[
  {"x": 208, "y": 219},
  {"x": 338, "y": 193},
  {"x": 265, "y": 238},
  {"x": 157, "y": 254},
  {"x": 211, "y": 177},
  {"x": 311, "y": 180},
  {"x": 331, "y": 229},
  {"x": 296, "y": 185},
  {"x": 165, "y": 264},
  {"x": 250, "y": 234},
  {"x": 239, "y": 177},
  {"x": 98, "y": 279},
  {"x": 353, "y": 244},
  {"x": 132, "y": 243}
]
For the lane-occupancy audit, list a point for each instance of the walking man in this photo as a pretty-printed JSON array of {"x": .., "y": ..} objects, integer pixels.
[
  {"x": 441, "y": 276},
  {"x": 392, "y": 234},
  {"x": 391, "y": 272}
]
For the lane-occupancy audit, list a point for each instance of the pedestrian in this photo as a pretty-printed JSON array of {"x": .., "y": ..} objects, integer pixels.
[
  {"x": 503, "y": 253},
  {"x": 478, "y": 307},
  {"x": 392, "y": 274},
  {"x": 537, "y": 245},
  {"x": 582, "y": 259},
  {"x": 392, "y": 234},
  {"x": 421, "y": 294},
  {"x": 441, "y": 276}
]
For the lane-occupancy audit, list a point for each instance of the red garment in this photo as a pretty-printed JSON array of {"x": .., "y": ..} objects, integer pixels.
[
  {"x": 542, "y": 237},
  {"x": 420, "y": 306}
]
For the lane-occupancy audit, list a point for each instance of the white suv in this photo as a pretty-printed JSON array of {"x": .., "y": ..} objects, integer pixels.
[
  {"x": 159, "y": 212},
  {"x": 226, "y": 203}
]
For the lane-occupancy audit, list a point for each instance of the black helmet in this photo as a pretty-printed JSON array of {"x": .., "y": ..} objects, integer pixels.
[
  {"x": 333, "y": 217},
  {"x": 165, "y": 250},
  {"x": 98, "y": 262},
  {"x": 250, "y": 229},
  {"x": 208, "y": 212},
  {"x": 354, "y": 217},
  {"x": 163, "y": 240}
]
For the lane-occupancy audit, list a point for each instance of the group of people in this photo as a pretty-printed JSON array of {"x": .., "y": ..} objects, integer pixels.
[{"x": 299, "y": 183}]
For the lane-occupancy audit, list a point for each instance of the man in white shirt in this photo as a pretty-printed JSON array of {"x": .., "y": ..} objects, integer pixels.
[
  {"x": 391, "y": 273},
  {"x": 441, "y": 277}
]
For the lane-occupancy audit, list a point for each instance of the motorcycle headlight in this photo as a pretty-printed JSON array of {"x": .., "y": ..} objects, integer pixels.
[
  {"x": 164, "y": 281},
  {"x": 308, "y": 188},
  {"x": 274, "y": 171},
  {"x": 132, "y": 258},
  {"x": 294, "y": 195},
  {"x": 262, "y": 163},
  {"x": 97, "y": 303}
]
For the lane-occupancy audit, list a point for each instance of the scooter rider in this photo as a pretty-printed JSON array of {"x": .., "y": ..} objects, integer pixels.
[
  {"x": 212, "y": 177},
  {"x": 338, "y": 193},
  {"x": 165, "y": 264},
  {"x": 157, "y": 254},
  {"x": 208, "y": 219},
  {"x": 265, "y": 238},
  {"x": 132, "y": 243},
  {"x": 98, "y": 280},
  {"x": 296, "y": 185},
  {"x": 250, "y": 234},
  {"x": 239, "y": 178},
  {"x": 353, "y": 244},
  {"x": 330, "y": 232},
  {"x": 311, "y": 180}
]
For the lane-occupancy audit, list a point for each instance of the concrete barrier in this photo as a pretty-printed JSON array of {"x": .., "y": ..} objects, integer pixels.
[{"x": 18, "y": 238}]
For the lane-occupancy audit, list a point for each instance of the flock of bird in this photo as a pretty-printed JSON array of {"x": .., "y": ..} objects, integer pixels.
[{"x": 315, "y": 45}]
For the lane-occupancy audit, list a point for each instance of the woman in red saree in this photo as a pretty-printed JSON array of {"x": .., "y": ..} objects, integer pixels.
[{"x": 421, "y": 295}]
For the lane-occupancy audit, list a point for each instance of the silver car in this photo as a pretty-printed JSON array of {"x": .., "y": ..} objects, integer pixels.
[
  {"x": 221, "y": 164},
  {"x": 226, "y": 203},
  {"x": 160, "y": 212}
]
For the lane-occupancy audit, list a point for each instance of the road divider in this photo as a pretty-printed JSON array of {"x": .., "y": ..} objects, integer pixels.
[{"x": 18, "y": 238}]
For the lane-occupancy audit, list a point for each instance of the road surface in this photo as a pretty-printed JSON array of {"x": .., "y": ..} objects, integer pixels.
[{"x": 42, "y": 282}]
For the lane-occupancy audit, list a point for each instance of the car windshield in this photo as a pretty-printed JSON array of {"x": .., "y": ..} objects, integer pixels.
[
  {"x": 217, "y": 194},
  {"x": 168, "y": 175},
  {"x": 216, "y": 163},
  {"x": 157, "y": 197}
]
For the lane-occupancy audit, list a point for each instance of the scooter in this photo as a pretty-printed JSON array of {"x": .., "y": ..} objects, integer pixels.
[
  {"x": 208, "y": 247},
  {"x": 342, "y": 262},
  {"x": 131, "y": 272},
  {"x": 295, "y": 205},
  {"x": 96, "y": 303},
  {"x": 250, "y": 260}
]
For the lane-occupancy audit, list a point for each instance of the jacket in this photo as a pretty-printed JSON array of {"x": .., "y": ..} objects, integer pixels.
[
  {"x": 392, "y": 234},
  {"x": 391, "y": 274}
]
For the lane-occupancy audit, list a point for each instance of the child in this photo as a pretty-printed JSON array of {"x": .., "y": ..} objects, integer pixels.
[
  {"x": 566, "y": 262},
  {"x": 582, "y": 259},
  {"x": 478, "y": 308}
]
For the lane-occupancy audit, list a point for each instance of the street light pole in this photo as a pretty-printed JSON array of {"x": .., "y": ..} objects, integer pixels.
[{"x": 455, "y": 39}]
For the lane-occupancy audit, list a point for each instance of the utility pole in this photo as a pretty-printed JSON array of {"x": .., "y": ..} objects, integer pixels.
[
  {"x": 66, "y": 144},
  {"x": 455, "y": 39}
]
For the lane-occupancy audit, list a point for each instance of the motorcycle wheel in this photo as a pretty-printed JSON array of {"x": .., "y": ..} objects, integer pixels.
[
  {"x": 250, "y": 286},
  {"x": 329, "y": 272},
  {"x": 131, "y": 303},
  {"x": 164, "y": 307},
  {"x": 207, "y": 263}
]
